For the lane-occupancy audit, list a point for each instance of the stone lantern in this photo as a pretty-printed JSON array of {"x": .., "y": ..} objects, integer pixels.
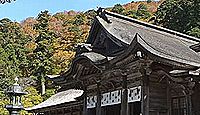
[{"x": 15, "y": 93}]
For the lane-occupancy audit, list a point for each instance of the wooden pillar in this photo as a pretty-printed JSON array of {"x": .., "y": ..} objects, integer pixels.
[
  {"x": 188, "y": 104},
  {"x": 124, "y": 98},
  {"x": 85, "y": 110},
  {"x": 142, "y": 96},
  {"x": 145, "y": 90},
  {"x": 143, "y": 72},
  {"x": 168, "y": 97},
  {"x": 98, "y": 106},
  {"x": 147, "y": 95}
]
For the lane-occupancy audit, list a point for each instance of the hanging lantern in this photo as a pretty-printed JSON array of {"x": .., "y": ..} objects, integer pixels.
[{"x": 15, "y": 93}]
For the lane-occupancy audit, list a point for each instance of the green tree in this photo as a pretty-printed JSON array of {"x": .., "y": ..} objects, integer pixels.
[
  {"x": 13, "y": 53},
  {"x": 180, "y": 15},
  {"x": 41, "y": 61},
  {"x": 13, "y": 59},
  {"x": 142, "y": 12},
  {"x": 79, "y": 19},
  {"x": 3, "y": 101},
  {"x": 194, "y": 32},
  {"x": 131, "y": 13},
  {"x": 90, "y": 14},
  {"x": 118, "y": 8},
  {"x": 32, "y": 98},
  {"x": 149, "y": 1}
]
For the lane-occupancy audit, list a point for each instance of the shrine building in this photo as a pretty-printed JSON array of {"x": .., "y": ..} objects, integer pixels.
[{"x": 129, "y": 67}]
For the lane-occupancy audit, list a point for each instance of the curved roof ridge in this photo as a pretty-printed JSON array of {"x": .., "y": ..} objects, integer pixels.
[
  {"x": 153, "y": 26},
  {"x": 163, "y": 54},
  {"x": 94, "y": 57}
]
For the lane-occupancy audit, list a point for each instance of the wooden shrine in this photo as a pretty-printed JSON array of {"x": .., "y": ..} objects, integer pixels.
[{"x": 129, "y": 67}]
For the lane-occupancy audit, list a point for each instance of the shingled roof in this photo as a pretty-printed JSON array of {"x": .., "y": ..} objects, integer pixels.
[
  {"x": 59, "y": 98},
  {"x": 126, "y": 32},
  {"x": 157, "y": 40}
]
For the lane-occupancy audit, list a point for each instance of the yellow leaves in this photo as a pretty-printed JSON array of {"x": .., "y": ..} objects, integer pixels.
[
  {"x": 62, "y": 59},
  {"x": 3, "y": 102},
  {"x": 27, "y": 27},
  {"x": 28, "y": 30},
  {"x": 63, "y": 55},
  {"x": 31, "y": 45},
  {"x": 32, "y": 98}
]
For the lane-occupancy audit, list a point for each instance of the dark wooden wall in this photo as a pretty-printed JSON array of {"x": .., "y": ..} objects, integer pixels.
[
  {"x": 196, "y": 99},
  {"x": 158, "y": 102}
]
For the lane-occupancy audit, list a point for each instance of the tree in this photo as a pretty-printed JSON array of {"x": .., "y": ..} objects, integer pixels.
[
  {"x": 142, "y": 12},
  {"x": 13, "y": 53},
  {"x": 180, "y": 15},
  {"x": 118, "y": 8},
  {"x": 79, "y": 19},
  {"x": 194, "y": 32},
  {"x": 149, "y": 1},
  {"x": 32, "y": 98},
  {"x": 75, "y": 29},
  {"x": 90, "y": 14},
  {"x": 131, "y": 13},
  {"x": 3, "y": 101},
  {"x": 13, "y": 60},
  {"x": 41, "y": 59}
]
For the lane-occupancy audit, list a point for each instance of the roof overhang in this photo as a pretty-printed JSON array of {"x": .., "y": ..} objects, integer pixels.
[{"x": 57, "y": 99}]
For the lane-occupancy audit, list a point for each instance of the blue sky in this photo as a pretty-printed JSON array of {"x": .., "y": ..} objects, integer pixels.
[{"x": 21, "y": 9}]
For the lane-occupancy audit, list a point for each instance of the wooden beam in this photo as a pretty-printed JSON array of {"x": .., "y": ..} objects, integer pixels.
[
  {"x": 124, "y": 99},
  {"x": 98, "y": 106}
]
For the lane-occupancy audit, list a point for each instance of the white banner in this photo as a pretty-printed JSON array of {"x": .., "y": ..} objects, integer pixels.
[{"x": 114, "y": 97}]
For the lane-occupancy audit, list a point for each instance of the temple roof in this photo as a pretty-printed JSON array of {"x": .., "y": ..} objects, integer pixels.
[
  {"x": 157, "y": 40},
  {"x": 122, "y": 35},
  {"x": 59, "y": 98}
]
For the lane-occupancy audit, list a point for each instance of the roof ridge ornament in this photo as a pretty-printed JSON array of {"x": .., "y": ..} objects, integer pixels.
[{"x": 101, "y": 13}]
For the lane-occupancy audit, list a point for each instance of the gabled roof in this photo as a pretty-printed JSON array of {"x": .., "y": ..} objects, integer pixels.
[
  {"x": 126, "y": 33},
  {"x": 59, "y": 98},
  {"x": 78, "y": 68},
  {"x": 159, "y": 41}
]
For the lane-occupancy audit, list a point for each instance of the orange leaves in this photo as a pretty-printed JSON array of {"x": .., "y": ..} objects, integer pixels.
[
  {"x": 55, "y": 25},
  {"x": 151, "y": 6},
  {"x": 31, "y": 45},
  {"x": 27, "y": 27},
  {"x": 63, "y": 55}
]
